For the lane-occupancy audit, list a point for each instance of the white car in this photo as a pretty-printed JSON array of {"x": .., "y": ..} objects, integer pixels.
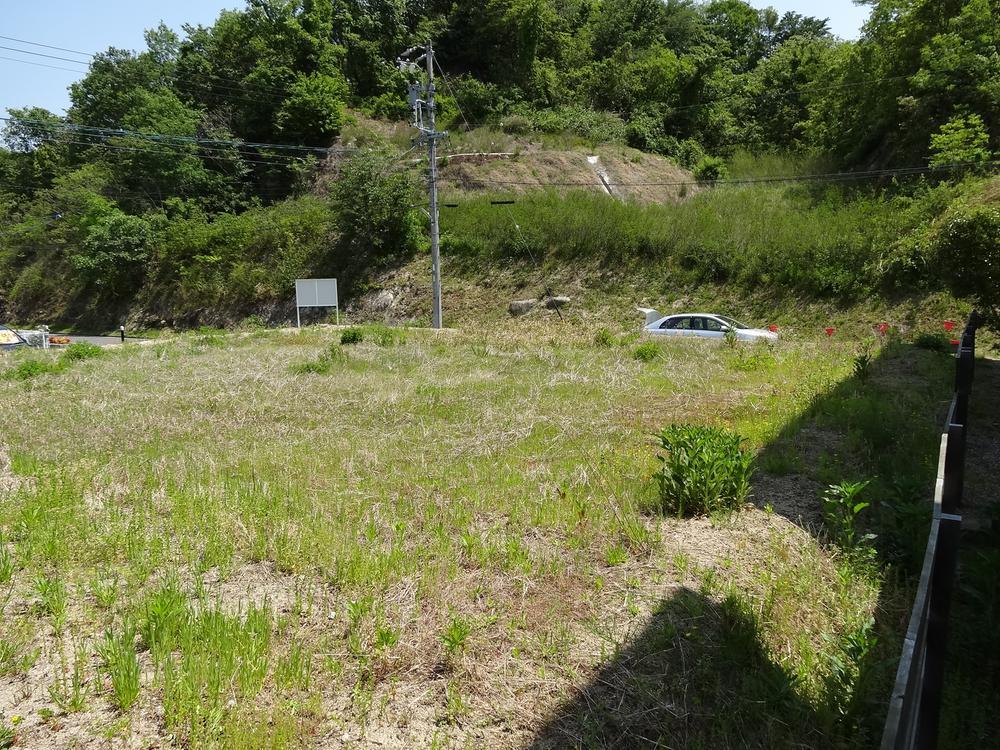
[{"x": 702, "y": 325}]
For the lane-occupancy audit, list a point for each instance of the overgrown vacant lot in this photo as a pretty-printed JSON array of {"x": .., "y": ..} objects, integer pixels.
[{"x": 449, "y": 540}]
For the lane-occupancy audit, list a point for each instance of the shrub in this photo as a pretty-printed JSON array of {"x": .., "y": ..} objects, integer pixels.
[
  {"x": 967, "y": 252},
  {"x": 646, "y": 352},
  {"x": 934, "y": 342},
  {"x": 81, "y": 351},
  {"x": 353, "y": 335},
  {"x": 704, "y": 470},
  {"x": 710, "y": 168}
]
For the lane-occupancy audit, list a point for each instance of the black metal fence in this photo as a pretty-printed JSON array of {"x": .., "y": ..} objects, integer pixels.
[{"x": 915, "y": 705}]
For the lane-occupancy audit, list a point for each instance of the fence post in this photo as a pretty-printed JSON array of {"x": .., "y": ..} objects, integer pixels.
[{"x": 942, "y": 583}]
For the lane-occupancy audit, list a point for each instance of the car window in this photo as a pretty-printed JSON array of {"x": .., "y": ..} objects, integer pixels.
[
  {"x": 711, "y": 324},
  {"x": 697, "y": 324},
  {"x": 733, "y": 323},
  {"x": 674, "y": 323}
]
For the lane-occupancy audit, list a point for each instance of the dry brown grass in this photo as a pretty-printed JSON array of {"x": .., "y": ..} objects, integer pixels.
[{"x": 497, "y": 479}]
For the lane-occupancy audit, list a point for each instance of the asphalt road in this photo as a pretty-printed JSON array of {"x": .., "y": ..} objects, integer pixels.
[{"x": 99, "y": 340}]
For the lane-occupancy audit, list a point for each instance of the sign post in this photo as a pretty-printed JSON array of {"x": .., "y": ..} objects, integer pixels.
[{"x": 315, "y": 293}]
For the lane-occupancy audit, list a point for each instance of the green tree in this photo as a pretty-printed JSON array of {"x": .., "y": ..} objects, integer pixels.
[
  {"x": 961, "y": 140},
  {"x": 114, "y": 252},
  {"x": 313, "y": 113}
]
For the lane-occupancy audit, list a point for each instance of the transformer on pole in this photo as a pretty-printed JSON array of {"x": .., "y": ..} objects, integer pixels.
[{"x": 422, "y": 100}]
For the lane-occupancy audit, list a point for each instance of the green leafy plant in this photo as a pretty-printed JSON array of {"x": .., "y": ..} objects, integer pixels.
[
  {"x": 455, "y": 635},
  {"x": 703, "y": 470},
  {"x": 841, "y": 507}
]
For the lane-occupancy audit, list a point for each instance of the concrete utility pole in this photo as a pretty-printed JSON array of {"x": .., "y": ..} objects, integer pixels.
[{"x": 422, "y": 101}]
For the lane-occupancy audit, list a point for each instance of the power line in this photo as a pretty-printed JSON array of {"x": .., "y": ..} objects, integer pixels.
[
  {"x": 451, "y": 91},
  {"x": 239, "y": 84},
  {"x": 46, "y": 46},
  {"x": 214, "y": 157},
  {"x": 42, "y": 54},
  {"x": 159, "y": 137},
  {"x": 40, "y": 65}
]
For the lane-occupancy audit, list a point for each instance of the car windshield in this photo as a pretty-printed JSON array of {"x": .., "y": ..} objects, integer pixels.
[{"x": 732, "y": 323}]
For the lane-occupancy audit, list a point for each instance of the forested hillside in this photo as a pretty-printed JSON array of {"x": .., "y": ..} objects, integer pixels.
[{"x": 205, "y": 172}]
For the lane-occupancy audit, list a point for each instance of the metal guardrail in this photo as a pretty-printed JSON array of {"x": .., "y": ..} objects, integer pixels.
[{"x": 915, "y": 704}]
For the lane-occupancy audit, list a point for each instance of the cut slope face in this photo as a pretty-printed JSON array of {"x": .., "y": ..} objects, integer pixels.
[{"x": 617, "y": 171}]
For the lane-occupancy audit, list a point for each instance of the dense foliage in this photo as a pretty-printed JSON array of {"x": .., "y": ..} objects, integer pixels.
[{"x": 165, "y": 180}]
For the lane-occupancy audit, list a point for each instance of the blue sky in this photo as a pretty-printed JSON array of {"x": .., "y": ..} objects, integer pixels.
[{"x": 94, "y": 26}]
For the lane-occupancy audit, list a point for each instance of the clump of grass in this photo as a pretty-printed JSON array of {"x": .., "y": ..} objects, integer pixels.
[
  {"x": 862, "y": 364},
  {"x": 745, "y": 361},
  {"x": 322, "y": 365},
  {"x": 30, "y": 368},
  {"x": 352, "y": 335},
  {"x": 16, "y": 654},
  {"x": 604, "y": 338},
  {"x": 703, "y": 470},
  {"x": 646, "y": 352},
  {"x": 70, "y": 690},
  {"x": 122, "y": 665},
  {"x": 385, "y": 336},
  {"x": 54, "y": 598},
  {"x": 7, "y": 735},
  {"x": 82, "y": 350}
]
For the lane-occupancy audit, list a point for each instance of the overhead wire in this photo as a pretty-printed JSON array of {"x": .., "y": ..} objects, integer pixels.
[
  {"x": 235, "y": 84},
  {"x": 167, "y": 137},
  {"x": 38, "y": 64}
]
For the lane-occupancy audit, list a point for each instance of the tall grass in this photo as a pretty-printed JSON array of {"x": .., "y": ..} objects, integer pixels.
[{"x": 815, "y": 241}]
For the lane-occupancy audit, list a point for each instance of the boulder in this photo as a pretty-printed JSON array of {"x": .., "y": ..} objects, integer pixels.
[
  {"x": 553, "y": 303},
  {"x": 520, "y": 307},
  {"x": 382, "y": 301}
]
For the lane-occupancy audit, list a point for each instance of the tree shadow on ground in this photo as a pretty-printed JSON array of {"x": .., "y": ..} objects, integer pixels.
[{"x": 699, "y": 675}]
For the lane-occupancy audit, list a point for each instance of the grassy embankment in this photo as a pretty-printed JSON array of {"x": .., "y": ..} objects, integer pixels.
[
  {"x": 828, "y": 252},
  {"x": 448, "y": 541}
]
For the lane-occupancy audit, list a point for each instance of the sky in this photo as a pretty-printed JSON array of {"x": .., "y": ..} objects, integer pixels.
[{"x": 95, "y": 26}]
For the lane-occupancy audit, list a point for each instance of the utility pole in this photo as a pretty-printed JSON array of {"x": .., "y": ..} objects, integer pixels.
[{"x": 422, "y": 101}]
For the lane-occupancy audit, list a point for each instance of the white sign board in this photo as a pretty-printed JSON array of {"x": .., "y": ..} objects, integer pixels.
[{"x": 315, "y": 293}]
